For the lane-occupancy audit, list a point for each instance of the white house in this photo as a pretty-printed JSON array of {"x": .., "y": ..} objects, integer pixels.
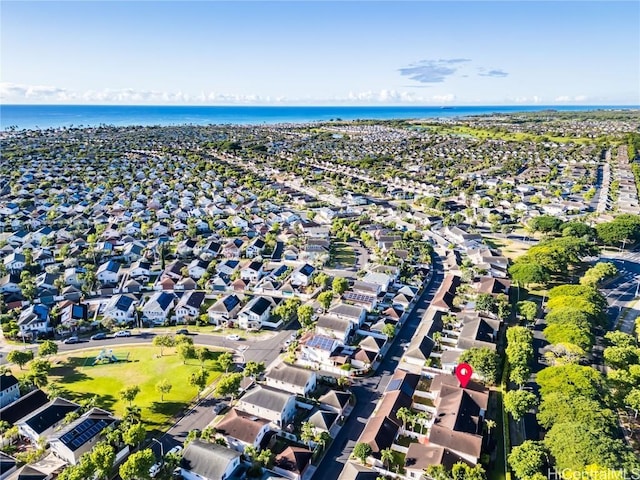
[
  {"x": 291, "y": 379},
  {"x": 108, "y": 272},
  {"x": 120, "y": 308},
  {"x": 9, "y": 390},
  {"x": 188, "y": 308},
  {"x": 241, "y": 429},
  {"x": 42, "y": 423},
  {"x": 208, "y": 461},
  {"x": 256, "y": 313},
  {"x": 158, "y": 306},
  {"x": 266, "y": 402},
  {"x": 303, "y": 275},
  {"x": 224, "y": 310},
  {"x": 252, "y": 272}
]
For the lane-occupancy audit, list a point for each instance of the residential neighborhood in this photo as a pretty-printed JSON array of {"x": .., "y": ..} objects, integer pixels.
[{"x": 308, "y": 292}]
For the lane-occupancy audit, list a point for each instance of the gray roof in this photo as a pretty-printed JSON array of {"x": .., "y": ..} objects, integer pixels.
[
  {"x": 208, "y": 460},
  {"x": 266, "y": 397},
  {"x": 347, "y": 311},
  {"x": 323, "y": 419},
  {"x": 289, "y": 374},
  {"x": 334, "y": 323}
]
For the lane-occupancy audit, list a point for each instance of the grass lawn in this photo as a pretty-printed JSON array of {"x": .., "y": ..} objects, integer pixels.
[
  {"x": 511, "y": 249},
  {"x": 143, "y": 369},
  {"x": 344, "y": 254}
]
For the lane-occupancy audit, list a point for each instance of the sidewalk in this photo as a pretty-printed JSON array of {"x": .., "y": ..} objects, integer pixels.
[{"x": 627, "y": 320}]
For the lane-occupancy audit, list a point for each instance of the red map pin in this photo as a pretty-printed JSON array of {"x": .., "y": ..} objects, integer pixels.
[{"x": 463, "y": 373}]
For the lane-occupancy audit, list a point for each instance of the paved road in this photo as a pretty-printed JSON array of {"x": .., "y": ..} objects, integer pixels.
[{"x": 369, "y": 390}]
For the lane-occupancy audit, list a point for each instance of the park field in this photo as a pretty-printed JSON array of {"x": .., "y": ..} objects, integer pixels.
[{"x": 144, "y": 367}]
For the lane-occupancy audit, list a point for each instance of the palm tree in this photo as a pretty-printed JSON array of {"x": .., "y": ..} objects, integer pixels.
[
  {"x": 422, "y": 416},
  {"x": 489, "y": 425},
  {"x": 403, "y": 415},
  {"x": 387, "y": 457}
]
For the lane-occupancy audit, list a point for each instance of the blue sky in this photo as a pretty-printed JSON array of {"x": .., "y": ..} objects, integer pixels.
[{"x": 305, "y": 52}]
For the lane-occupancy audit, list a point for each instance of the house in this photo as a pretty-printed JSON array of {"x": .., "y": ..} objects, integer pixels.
[
  {"x": 232, "y": 248},
  {"x": 420, "y": 457},
  {"x": 10, "y": 283},
  {"x": 355, "y": 471},
  {"x": 23, "y": 406},
  {"x": 353, "y": 313},
  {"x": 120, "y": 308},
  {"x": 188, "y": 308},
  {"x": 34, "y": 320},
  {"x": 422, "y": 344},
  {"x": 291, "y": 379},
  {"x": 73, "y": 313},
  {"x": 378, "y": 278},
  {"x": 443, "y": 299},
  {"x": 292, "y": 462},
  {"x": 8, "y": 465},
  {"x": 240, "y": 429},
  {"x": 266, "y": 402},
  {"x": 227, "y": 267},
  {"x": 335, "y": 400},
  {"x": 318, "y": 349},
  {"x": 323, "y": 420},
  {"x": 158, "y": 306},
  {"x": 81, "y": 436},
  {"x": 224, "y": 310},
  {"x": 252, "y": 272},
  {"x": 140, "y": 270},
  {"x": 9, "y": 390},
  {"x": 208, "y": 461},
  {"x": 256, "y": 313},
  {"x": 107, "y": 273},
  {"x": 459, "y": 416},
  {"x": 335, "y": 327},
  {"x": 14, "y": 262},
  {"x": 255, "y": 248},
  {"x": 302, "y": 276},
  {"x": 197, "y": 268},
  {"x": 41, "y": 423},
  {"x": 479, "y": 332}
]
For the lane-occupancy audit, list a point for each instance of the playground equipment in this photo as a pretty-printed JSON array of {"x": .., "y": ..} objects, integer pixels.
[{"x": 107, "y": 356}]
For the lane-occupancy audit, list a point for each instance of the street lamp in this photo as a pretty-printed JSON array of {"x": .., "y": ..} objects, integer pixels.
[{"x": 161, "y": 449}]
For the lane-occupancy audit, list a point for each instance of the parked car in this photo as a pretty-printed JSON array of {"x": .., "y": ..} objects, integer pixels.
[
  {"x": 155, "y": 469},
  {"x": 233, "y": 336},
  {"x": 182, "y": 331},
  {"x": 219, "y": 407},
  {"x": 71, "y": 340},
  {"x": 175, "y": 450},
  {"x": 122, "y": 333},
  {"x": 99, "y": 336}
]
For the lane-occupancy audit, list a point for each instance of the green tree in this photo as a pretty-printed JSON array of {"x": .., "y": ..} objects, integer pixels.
[
  {"x": 186, "y": 351},
  {"x": 287, "y": 309},
  {"x": 134, "y": 434},
  {"x": 203, "y": 354},
  {"x": 199, "y": 380},
  {"x": 163, "y": 341},
  {"x": 389, "y": 330},
  {"x": 386, "y": 456},
  {"x": 27, "y": 285},
  {"x": 129, "y": 394},
  {"x": 48, "y": 347},
  {"x": 632, "y": 400},
  {"x": 137, "y": 466},
  {"x": 339, "y": 285},
  {"x": 362, "y": 451},
  {"x": 163, "y": 387},
  {"x": 528, "y": 272},
  {"x": 20, "y": 357},
  {"x": 527, "y": 459},
  {"x": 520, "y": 374},
  {"x": 321, "y": 280},
  {"x": 225, "y": 361},
  {"x": 484, "y": 361},
  {"x": 228, "y": 385},
  {"x": 576, "y": 380},
  {"x": 519, "y": 402},
  {"x": 253, "y": 369},
  {"x": 528, "y": 310},
  {"x": 102, "y": 457},
  {"x": 307, "y": 433},
  {"x": 325, "y": 299},
  {"x": 305, "y": 315},
  {"x": 621, "y": 357}
]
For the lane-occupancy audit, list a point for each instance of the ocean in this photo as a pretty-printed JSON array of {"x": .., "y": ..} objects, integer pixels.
[{"x": 55, "y": 116}]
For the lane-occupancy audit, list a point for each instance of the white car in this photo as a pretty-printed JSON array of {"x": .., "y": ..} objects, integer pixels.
[
  {"x": 175, "y": 450},
  {"x": 155, "y": 469},
  {"x": 233, "y": 336},
  {"x": 122, "y": 333}
]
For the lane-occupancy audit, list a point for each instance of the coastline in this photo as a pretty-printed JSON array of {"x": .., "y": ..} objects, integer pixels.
[{"x": 60, "y": 116}]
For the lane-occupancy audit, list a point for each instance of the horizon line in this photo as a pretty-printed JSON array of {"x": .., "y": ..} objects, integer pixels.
[{"x": 244, "y": 105}]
